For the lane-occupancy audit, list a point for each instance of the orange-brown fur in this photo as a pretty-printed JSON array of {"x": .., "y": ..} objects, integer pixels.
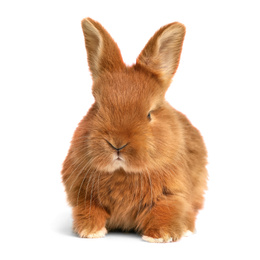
[{"x": 158, "y": 188}]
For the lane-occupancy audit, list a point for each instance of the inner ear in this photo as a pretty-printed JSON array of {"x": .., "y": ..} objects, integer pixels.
[
  {"x": 93, "y": 44},
  {"x": 103, "y": 53},
  {"x": 161, "y": 54}
]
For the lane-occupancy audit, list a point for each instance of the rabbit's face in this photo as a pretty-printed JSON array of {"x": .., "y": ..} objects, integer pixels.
[
  {"x": 131, "y": 126},
  {"x": 126, "y": 121}
]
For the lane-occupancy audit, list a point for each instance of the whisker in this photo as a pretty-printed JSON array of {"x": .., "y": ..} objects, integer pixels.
[
  {"x": 79, "y": 138},
  {"x": 84, "y": 149},
  {"x": 86, "y": 191},
  {"x": 79, "y": 162},
  {"x": 85, "y": 166},
  {"x": 80, "y": 142},
  {"x": 100, "y": 198},
  {"x": 91, "y": 194},
  {"x": 98, "y": 190},
  {"x": 140, "y": 192},
  {"x": 78, "y": 165},
  {"x": 82, "y": 184},
  {"x": 151, "y": 189}
]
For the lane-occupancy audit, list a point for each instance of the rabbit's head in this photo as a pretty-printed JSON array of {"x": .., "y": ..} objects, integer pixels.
[{"x": 130, "y": 125}]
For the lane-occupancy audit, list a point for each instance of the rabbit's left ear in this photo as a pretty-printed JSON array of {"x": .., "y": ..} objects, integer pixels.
[
  {"x": 161, "y": 55},
  {"x": 103, "y": 53}
]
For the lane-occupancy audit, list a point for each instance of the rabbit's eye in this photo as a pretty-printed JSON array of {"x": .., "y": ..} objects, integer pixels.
[{"x": 149, "y": 116}]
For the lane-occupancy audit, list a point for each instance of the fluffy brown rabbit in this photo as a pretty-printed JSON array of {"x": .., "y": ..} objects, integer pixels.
[{"x": 135, "y": 163}]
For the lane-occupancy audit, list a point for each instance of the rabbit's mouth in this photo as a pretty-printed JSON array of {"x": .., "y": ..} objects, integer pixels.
[{"x": 116, "y": 163}]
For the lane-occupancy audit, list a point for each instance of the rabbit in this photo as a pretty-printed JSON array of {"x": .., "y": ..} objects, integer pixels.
[{"x": 135, "y": 162}]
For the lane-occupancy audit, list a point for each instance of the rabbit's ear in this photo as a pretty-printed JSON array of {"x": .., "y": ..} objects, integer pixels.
[
  {"x": 103, "y": 53},
  {"x": 162, "y": 53}
]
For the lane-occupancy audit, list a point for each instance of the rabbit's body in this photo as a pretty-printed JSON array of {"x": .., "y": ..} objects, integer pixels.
[{"x": 134, "y": 161}]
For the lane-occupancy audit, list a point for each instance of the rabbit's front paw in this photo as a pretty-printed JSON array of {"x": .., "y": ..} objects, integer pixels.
[
  {"x": 161, "y": 237},
  {"x": 157, "y": 240},
  {"x": 98, "y": 234},
  {"x": 166, "y": 239}
]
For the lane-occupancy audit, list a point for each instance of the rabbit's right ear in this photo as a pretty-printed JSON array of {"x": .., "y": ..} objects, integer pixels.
[
  {"x": 162, "y": 53},
  {"x": 103, "y": 53}
]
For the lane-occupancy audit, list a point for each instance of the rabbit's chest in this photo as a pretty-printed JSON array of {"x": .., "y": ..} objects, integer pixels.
[
  {"x": 124, "y": 191},
  {"x": 121, "y": 196},
  {"x": 127, "y": 195}
]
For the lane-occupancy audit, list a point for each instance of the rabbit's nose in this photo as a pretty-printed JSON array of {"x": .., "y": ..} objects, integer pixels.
[{"x": 117, "y": 149}]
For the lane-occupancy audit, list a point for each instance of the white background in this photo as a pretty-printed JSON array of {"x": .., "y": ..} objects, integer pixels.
[{"x": 46, "y": 89}]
